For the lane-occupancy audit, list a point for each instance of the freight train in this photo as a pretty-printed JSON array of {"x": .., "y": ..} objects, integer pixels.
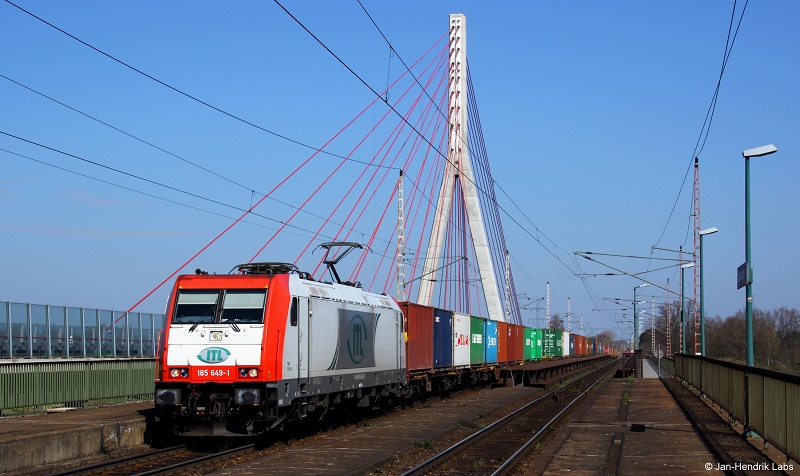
[{"x": 241, "y": 354}]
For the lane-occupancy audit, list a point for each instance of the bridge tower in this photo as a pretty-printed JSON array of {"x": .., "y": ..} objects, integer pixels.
[{"x": 458, "y": 171}]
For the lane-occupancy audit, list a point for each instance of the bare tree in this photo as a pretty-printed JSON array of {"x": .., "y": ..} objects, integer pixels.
[
  {"x": 788, "y": 329},
  {"x": 607, "y": 336},
  {"x": 556, "y": 322}
]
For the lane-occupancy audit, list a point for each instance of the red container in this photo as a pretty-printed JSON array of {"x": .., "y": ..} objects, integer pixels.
[
  {"x": 581, "y": 344},
  {"x": 503, "y": 334},
  {"x": 418, "y": 326},
  {"x": 516, "y": 341}
]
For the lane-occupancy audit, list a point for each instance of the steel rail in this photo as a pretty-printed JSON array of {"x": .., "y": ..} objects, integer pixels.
[
  {"x": 435, "y": 460},
  {"x": 514, "y": 459},
  {"x": 184, "y": 465},
  {"x": 125, "y": 464},
  {"x": 117, "y": 461}
]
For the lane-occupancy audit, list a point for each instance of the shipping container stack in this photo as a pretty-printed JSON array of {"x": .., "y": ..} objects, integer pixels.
[{"x": 439, "y": 341}]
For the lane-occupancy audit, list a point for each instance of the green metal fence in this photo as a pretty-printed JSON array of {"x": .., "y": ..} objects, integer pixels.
[
  {"x": 33, "y": 385},
  {"x": 767, "y": 402}
]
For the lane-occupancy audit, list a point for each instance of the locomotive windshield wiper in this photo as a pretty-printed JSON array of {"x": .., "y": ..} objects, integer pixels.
[
  {"x": 194, "y": 326},
  {"x": 234, "y": 327}
]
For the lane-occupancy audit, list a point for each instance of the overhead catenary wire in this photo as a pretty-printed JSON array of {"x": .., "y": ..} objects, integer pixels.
[
  {"x": 360, "y": 79},
  {"x": 159, "y": 148},
  {"x": 706, "y": 127},
  {"x": 131, "y": 175},
  {"x": 554, "y": 254},
  {"x": 176, "y": 89}
]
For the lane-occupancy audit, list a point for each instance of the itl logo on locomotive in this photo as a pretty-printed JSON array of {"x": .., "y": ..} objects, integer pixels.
[
  {"x": 358, "y": 335},
  {"x": 214, "y": 355}
]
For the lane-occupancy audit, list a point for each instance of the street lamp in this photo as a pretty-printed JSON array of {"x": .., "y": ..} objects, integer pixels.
[
  {"x": 636, "y": 317},
  {"x": 683, "y": 313},
  {"x": 702, "y": 233},
  {"x": 757, "y": 152}
]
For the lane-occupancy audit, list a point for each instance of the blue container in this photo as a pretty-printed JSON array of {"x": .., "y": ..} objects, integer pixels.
[
  {"x": 442, "y": 338},
  {"x": 572, "y": 349},
  {"x": 490, "y": 342}
]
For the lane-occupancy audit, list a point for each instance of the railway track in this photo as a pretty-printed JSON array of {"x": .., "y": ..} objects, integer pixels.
[
  {"x": 173, "y": 460},
  {"x": 499, "y": 447},
  {"x": 332, "y": 447}
]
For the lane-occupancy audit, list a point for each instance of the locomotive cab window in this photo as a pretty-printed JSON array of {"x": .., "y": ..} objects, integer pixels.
[
  {"x": 293, "y": 314},
  {"x": 196, "y": 307},
  {"x": 239, "y": 306},
  {"x": 243, "y": 306}
]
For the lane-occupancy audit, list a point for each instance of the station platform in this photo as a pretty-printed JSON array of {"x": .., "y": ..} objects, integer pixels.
[
  {"x": 637, "y": 426},
  {"x": 33, "y": 440}
]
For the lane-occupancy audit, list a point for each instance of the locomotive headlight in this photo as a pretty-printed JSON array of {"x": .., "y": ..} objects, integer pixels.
[
  {"x": 182, "y": 372},
  {"x": 244, "y": 373}
]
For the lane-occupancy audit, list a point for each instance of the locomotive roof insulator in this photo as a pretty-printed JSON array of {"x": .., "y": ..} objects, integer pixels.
[{"x": 266, "y": 268}]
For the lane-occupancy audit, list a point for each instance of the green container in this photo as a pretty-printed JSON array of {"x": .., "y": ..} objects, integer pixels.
[
  {"x": 476, "y": 339},
  {"x": 551, "y": 343},
  {"x": 533, "y": 344},
  {"x": 559, "y": 343}
]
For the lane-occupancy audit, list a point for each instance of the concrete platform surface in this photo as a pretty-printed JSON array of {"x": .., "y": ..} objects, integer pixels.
[
  {"x": 27, "y": 441},
  {"x": 629, "y": 427}
]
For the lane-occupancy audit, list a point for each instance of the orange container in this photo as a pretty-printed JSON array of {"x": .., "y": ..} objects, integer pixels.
[
  {"x": 516, "y": 341},
  {"x": 503, "y": 334},
  {"x": 418, "y": 326}
]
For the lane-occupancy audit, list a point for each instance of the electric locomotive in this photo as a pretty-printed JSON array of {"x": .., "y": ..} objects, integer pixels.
[{"x": 243, "y": 353}]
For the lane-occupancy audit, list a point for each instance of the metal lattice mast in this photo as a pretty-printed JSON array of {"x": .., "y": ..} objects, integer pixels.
[
  {"x": 547, "y": 311},
  {"x": 652, "y": 325},
  {"x": 569, "y": 315},
  {"x": 669, "y": 322},
  {"x": 682, "y": 308},
  {"x": 697, "y": 340},
  {"x": 508, "y": 287},
  {"x": 459, "y": 169},
  {"x": 582, "y": 325},
  {"x": 401, "y": 242}
]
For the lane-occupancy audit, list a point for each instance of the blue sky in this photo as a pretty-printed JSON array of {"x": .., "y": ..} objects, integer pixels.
[{"x": 591, "y": 112}]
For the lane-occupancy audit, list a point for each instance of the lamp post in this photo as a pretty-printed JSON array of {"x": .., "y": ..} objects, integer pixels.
[
  {"x": 683, "y": 312},
  {"x": 757, "y": 152},
  {"x": 636, "y": 317},
  {"x": 748, "y": 270},
  {"x": 702, "y": 233}
]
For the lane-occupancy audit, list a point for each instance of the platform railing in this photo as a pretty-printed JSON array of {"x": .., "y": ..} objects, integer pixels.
[
  {"x": 41, "y": 331},
  {"x": 765, "y": 401},
  {"x": 34, "y": 385},
  {"x": 666, "y": 365}
]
